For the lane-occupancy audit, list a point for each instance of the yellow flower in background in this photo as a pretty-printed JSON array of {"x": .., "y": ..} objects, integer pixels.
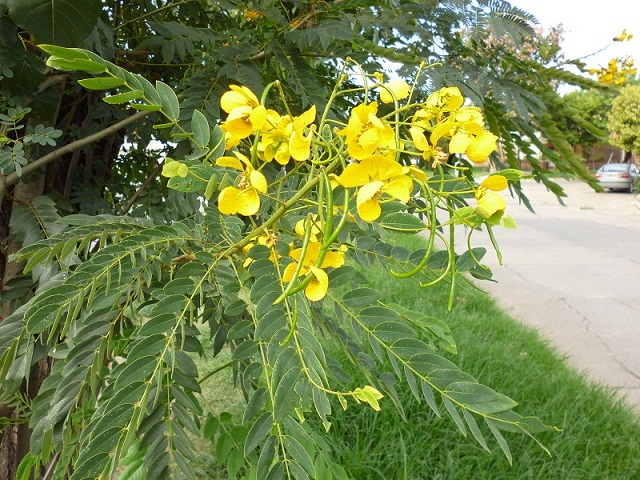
[
  {"x": 316, "y": 227},
  {"x": 284, "y": 137},
  {"x": 490, "y": 202},
  {"x": 299, "y": 144},
  {"x": 268, "y": 240},
  {"x": 317, "y": 288},
  {"x": 623, "y": 36},
  {"x": 365, "y": 132},
  {"x": 376, "y": 175},
  {"x": 245, "y": 199},
  {"x": 398, "y": 88}
]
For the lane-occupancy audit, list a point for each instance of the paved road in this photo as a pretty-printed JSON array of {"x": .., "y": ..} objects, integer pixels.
[{"x": 574, "y": 273}]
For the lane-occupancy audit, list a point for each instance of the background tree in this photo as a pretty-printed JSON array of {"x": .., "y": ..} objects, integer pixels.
[
  {"x": 584, "y": 119},
  {"x": 66, "y": 151},
  {"x": 624, "y": 120}
]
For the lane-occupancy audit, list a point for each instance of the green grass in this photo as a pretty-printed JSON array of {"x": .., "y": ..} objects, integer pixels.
[{"x": 600, "y": 436}]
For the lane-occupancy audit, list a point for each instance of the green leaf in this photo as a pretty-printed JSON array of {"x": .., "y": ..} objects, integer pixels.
[
  {"x": 101, "y": 83},
  {"x": 402, "y": 222},
  {"x": 125, "y": 97},
  {"x": 360, "y": 297},
  {"x": 285, "y": 397},
  {"x": 170, "y": 103},
  {"x": 200, "y": 129},
  {"x": 299, "y": 454},
  {"x": 455, "y": 415},
  {"x": 501, "y": 441},
  {"x": 61, "y": 22},
  {"x": 475, "y": 430},
  {"x": 258, "y": 432},
  {"x": 211, "y": 427}
]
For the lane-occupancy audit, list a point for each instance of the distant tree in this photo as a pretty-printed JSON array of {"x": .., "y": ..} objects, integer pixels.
[
  {"x": 624, "y": 120},
  {"x": 586, "y": 109}
]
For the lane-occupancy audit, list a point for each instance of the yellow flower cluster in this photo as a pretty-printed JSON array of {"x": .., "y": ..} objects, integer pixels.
[
  {"x": 364, "y": 155},
  {"x": 464, "y": 126},
  {"x": 281, "y": 138},
  {"x": 617, "y": 69}
]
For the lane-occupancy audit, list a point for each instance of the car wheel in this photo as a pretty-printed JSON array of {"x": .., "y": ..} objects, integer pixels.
[{"x": 631, "y": 187}]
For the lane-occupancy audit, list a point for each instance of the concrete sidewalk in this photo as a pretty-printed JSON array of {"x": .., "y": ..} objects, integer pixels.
[{"x": 574, "y": 274}]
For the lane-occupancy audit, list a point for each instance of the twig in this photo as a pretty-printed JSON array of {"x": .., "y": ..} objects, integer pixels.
[
  {"x": 7, "y": 181},
  {"x": 142, "y": 188}
]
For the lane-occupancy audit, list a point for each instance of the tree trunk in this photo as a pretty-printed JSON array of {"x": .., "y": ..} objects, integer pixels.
[{"x": 14, "y": 441}]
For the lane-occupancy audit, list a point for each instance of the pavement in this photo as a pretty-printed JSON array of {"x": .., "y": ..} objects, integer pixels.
[{"x": 573, "y": 273}]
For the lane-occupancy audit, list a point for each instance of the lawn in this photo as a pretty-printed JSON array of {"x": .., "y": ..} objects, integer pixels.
[{"x": 599, "y": 437}]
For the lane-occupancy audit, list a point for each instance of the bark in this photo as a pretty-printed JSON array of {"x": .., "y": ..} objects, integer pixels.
[{"x": 14, "y": 441}]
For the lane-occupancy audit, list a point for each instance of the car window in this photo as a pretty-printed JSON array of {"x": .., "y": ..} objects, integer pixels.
[{"x": 615, "y": 167}]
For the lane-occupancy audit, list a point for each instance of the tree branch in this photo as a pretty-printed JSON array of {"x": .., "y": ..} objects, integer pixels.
[
  {"x": 11, "y": 179},
  {"x": 142, "y": 188}
]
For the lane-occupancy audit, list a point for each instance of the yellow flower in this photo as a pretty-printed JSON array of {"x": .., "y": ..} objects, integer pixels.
[
  {"x": 316, "y": 227},
  {"x": 243, "y": 121},
  {"x": 269, "y": 240},
  {"x": 246, "y": 115},
  {"x": 466, "y": 130},
  {"x": 398, "y": 88},
  {"x": 365, "y": 132},
  {"x": 491, "y": 203},
  {"x": 445, "y": 100},
  {"x": 238, "y": 97},
  {"x": 317, "y": 288},
  {"x": 376, "y": 175},
  {"x": 284, "y": 137},
  {"x": 245, "y": 199},
  {"x": 481, "y": 147}
]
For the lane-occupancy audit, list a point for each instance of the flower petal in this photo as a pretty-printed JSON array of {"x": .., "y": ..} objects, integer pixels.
[
  {"x": 495, "y": 183},
  {"x": 287, "y": 276},
  {"x": 258, "y": 181},
  {"x": 369, "y": 210},
  {"x": 459, "y": 142},
  {"x": 398, "y": 87},
  {"x": 481, "y": 147},
  {"x": 248, "y": 202},
  {"x": 399, "y": 188},
  {"x": 489, "y": 203},
  {"x": 419, "y": 139},
  {"x": 368, "y": 191},
  {"x": 228, "y": 201},
  {"x": 333, "y": 259},
  {"x": 317, "y": 288},
  {"x": 355, "y": 175},
  {"x": 230, "y": 162}
]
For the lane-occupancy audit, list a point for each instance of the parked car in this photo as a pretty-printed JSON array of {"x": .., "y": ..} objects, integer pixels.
[{"x": 618, "y": 176}]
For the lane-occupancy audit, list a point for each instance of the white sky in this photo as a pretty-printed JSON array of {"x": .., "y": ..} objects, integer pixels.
[{"x": 590, "y": 25}]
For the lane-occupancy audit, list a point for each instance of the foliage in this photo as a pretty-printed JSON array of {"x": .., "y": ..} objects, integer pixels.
[
  {"x": 137, "y": 239},
  {"x": 624, "y": 119},
  {"x": 140, "y": 293},
  {"x": 586, "y": 109}
]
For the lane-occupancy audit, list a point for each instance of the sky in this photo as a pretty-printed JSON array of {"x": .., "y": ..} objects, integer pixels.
[{"x": 589, "y": 29}]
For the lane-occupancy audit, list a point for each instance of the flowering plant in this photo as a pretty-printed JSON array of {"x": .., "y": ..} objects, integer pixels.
[
  {"x": 276, "y": 208},
  {"x": 384, "y": 168}
]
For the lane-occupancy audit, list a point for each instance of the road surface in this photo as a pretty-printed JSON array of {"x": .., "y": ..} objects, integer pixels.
[{"x": 574, "y": 274}]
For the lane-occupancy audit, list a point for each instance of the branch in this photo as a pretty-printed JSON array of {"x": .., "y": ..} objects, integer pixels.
[
  {"x": 142, "y": 187},
  {"x": 13, "y": 178}
]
